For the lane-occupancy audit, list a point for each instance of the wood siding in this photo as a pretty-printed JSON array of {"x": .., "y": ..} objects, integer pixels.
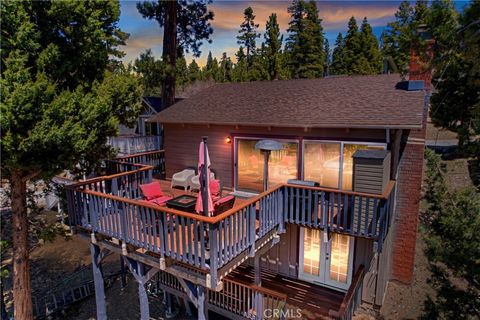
[
  {"x": 182, "y": 141},
  {"x": 283, "y": 258}
]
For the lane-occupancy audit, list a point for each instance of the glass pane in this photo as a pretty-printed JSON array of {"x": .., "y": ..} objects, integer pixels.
[
  {"x": 282, "y": 164},
  {"x": 321, "y": 163},
  {"x": 348, "y": 151},
  {"x": 249, "y": 166},
  {"x": 339, "y": 257},
  {"x": 311, "y": 252}
]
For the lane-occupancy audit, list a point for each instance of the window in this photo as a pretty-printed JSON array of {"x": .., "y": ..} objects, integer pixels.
[
  {"x": 331, "y": 163},
  {"x": 321, "y": 163},
  {"x": 282, "y": 165}
]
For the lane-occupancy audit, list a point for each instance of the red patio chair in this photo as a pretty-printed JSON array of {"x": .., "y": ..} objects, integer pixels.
[{"x": 152, "y": 193}]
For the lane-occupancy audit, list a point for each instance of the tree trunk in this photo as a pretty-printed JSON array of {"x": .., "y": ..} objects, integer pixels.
[
  {"x": 169, "y": 53},
  {"x": 21, "y": 271}
]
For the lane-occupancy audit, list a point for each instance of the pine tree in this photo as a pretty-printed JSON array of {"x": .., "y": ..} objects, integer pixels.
[
  {"x": 181, "y": 72},
  {"x": 338, "y": 60},
  {"x": 209, "y": 64},
  {"x": 398, "y": 37},
  {"x": 273, "y": 46},
  {"x": 352, "y": 50},
  {"x": 248, "y": 35},
  {"x": 369, "y": 50},
  {"x": 226, "y": 68},
  {"x": 240, "y": 69},
  {"x": 326, "y": 49},
  {"x": 151, "y": 72},
  {"x": 305, "y": 41},
  {"x": 193, "y": 71}
]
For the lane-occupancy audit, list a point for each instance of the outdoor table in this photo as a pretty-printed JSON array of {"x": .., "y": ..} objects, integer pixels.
[{"x": 183, "y": 203}]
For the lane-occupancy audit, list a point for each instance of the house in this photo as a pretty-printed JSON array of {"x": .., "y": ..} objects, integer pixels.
[
  {"x": 338, "y": 220},
  {"x": 143, "y": 136}
]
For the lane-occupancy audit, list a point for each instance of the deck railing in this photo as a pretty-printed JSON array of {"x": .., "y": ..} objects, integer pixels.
[
  {"x": 110, "y": 206},
  {"x": 354, "y": 213},
  {"x": 237, "y": 298},
  {"x": 135, "y": 144},
  {"x": 352, "y": 299},
  {"x": 156, "y": 159}
]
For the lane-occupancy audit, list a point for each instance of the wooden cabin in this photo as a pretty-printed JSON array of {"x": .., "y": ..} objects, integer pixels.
[{"x": 337, "y": 222}]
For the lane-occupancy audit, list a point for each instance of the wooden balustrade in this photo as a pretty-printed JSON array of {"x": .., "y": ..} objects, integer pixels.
[
  {"x": 156, "y": 159},
  {"x": 352, "y": 298},
  {"x": 134, "y": 144}
]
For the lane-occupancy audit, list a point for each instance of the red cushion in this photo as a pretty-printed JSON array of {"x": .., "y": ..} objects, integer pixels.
[
  {"x": 160, "y": 201},
  {"x": 151, "y": 190},
  {"x": 215, "y": 188},
  {"x": 223, "y": 200}
]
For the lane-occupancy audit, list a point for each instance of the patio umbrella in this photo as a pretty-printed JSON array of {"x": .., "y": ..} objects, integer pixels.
[{"x": 204, "y": 199}]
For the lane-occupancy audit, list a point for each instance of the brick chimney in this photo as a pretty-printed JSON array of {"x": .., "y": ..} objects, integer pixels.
[{"x": 420, "y": 65}]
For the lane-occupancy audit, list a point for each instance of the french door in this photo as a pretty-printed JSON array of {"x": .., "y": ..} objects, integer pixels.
[{"x": 327, "y": 261}]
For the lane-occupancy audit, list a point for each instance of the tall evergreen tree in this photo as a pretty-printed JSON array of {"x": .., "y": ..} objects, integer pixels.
[
  {"x": 181, "y": 72},
  {"x": 58, "y": 103},
  {"x": 338, "y": 60},
  {"x": 209, "y": 63},
  {"x": 326, "y": 49},
  {"x": 240, "y": 71},
  {"x": 273, "y": 46},
  {"x": 186, "y": 24},
  {"x": 193, "y": 71},
  {"x": 226, "y": 68},
  {"x": 151, "y": 72},
  {"x": 353, "y": 48},
  {"x": 305, "y": 41},
  {"x": 248, "y": 35},
  {"x": 369, "y": 50}
]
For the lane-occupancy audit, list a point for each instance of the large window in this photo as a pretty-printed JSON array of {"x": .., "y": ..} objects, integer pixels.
[
  {"x": 282, "y": 165},
  {"x": 331, "y": 163}
]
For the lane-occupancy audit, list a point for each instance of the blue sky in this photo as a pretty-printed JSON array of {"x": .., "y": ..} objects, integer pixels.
[{"x": 145, "y": 34}]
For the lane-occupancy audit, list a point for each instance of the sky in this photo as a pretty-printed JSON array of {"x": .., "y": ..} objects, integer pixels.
[{"x": 146, "y": 34}]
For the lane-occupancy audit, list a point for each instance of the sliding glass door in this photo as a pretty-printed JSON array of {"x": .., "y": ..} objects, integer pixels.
[
  {"x": 331, "y": 163},
  {"x": 282, "y": 164},
  {"x": 328, "y": 261}
]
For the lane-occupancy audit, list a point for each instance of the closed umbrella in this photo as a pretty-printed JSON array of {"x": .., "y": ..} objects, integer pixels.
[{"x": 204, "y": 199}]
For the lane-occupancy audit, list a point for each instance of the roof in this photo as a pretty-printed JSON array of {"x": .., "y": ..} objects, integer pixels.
[
  {"x": 348, "y": 102},
  {"x": 153, "y": 102}
]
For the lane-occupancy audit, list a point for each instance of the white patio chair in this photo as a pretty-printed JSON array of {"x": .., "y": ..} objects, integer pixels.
[
  {"x": 195, "y": 181},
  {"x": 182, "y": 178}
]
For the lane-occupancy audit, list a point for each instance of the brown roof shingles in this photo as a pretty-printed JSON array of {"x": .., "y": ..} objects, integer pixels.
[{"x": 353, "y": 102}]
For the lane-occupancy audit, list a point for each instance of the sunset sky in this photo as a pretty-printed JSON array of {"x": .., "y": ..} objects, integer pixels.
[{"x": 146, "y": 34}]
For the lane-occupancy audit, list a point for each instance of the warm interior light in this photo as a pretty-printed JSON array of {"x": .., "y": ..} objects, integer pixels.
[{"x": 228, "y": 140}]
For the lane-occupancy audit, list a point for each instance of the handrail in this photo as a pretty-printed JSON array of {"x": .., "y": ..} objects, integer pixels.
[
  {"x": 383, "y": 196},
  {"x": 141, "y": 154},
  {"x": 110, "y": 177},
  {"x": 347, "y": 299}
]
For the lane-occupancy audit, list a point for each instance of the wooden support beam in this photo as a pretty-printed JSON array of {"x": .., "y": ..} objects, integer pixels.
[
  {"x": 258, "y": 282},
  {"x": 139, "y": 273},
  {"x": 98, "y": 281},
  {"x": 201, "y": 303}
]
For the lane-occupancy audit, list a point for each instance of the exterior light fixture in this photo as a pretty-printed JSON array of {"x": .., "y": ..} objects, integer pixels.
[{"x": 228, "y": 140}]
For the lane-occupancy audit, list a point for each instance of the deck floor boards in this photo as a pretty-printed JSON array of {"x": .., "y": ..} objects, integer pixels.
[{"x": 314, "y": 300}]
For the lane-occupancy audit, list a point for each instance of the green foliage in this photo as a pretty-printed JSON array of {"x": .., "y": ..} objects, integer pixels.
[
  {"x": 452, "y": 224},
  {"x": 273, "y": 46},
  {"x": 370, "y": 52},
  {"x": 225, "y": 72},
  {"x": 193, "y": 71},
  {"x": 240, "y": 73},
  {"x": 338, "y": 60},
  {"x": 398, "y": 38},
  {"x": 52, "y": 118},
  {"x": 305, "y": 41},
  {"x": 182, "y": 75},
  {"x": 455, "y": 104},
  {"x": 151, "y": 72},
  {"x": 193, "y": 22},
  {"x": 248, "y": 35}
]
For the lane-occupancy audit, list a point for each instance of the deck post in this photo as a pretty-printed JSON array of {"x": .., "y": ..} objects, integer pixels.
[
  {"x": 123, "y": 274},
  {"x": 201, "y": 303},
  {"x": 98, "y": 281},
  {"x": 258, "y": 282},
  {"x": 142, "y": 293},
  {"x": 169, "y": 313}
]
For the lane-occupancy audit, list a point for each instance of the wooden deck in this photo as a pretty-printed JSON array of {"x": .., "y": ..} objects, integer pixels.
[{"x": 314, "y": 301}]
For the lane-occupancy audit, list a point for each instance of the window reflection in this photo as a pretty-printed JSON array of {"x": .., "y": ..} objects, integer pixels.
[
  {"x": 339, "y": 257},
  {"x": 322, "y": 163},
  {"x": 282, "y": 165},
  {"x": 311, "y": 252}
]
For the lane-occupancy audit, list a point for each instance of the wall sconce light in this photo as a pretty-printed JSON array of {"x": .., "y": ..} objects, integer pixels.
[{"x": 228, "y": 140}]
